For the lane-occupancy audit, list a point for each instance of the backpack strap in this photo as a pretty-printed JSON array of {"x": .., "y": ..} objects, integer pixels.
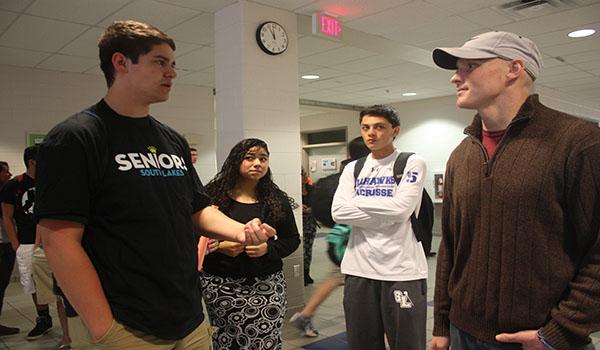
[
  {"x": 400, "y": 164},
  {"x": 360, "y": 163}
]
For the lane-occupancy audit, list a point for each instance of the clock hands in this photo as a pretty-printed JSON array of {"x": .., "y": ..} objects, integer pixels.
[
  {"x": 273, "y": 44},
  {"x": 272, "y": 33}
]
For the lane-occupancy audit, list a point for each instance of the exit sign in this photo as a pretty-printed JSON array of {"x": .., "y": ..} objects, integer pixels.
[{"x": 326, "y": 25}]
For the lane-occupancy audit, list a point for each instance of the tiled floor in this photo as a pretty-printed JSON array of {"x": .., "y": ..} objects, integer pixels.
[
  {"x": 329, "y": 319},
  {"x": 19, "y": 311}
]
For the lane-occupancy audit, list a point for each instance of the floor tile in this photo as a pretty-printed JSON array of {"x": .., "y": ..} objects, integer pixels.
[{"x": 329, "y": 319}]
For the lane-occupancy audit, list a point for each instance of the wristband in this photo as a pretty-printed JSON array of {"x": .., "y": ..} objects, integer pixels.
[{"x": 543, "y": 340}]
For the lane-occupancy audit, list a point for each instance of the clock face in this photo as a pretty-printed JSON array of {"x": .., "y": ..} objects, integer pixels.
[{"x": 272, "y": 38}]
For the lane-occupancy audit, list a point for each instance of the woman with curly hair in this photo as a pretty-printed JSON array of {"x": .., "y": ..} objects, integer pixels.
[{"x": 244, "y": 286}]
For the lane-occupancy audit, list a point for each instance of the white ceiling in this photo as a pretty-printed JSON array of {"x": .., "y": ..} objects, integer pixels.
[{"x": 386, "y": 49}]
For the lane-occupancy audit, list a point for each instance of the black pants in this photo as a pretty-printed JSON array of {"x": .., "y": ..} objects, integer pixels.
[
  {"x": 7, "y": 262},
  {"x": 309, "y": 230},
  {"x": 373, "y": 307}
]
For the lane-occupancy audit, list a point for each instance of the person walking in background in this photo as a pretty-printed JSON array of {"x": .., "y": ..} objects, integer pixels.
[
  {"x": 309, "y": 227},
  {"x": 244, "y": 285},
  {"x": 47, "y": 291},
  {"x": 7, "y": 253},
  {"x": 384, "y": 263},
  {"x": 120, "y": 206},
  {"x": 303, "y": 320},
  {"x": 519, "y": 259},
  {"x": 18, "y": 202}
]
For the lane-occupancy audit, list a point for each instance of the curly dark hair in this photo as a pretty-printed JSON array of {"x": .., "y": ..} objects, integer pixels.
[{"x": 268, "y": 193}]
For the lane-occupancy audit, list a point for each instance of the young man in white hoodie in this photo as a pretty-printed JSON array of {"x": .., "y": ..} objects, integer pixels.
[{"x": 385, "y": 266}]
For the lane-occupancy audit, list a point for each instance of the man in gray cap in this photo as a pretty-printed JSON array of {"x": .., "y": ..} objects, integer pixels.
[{"x": 519, "y": 261}]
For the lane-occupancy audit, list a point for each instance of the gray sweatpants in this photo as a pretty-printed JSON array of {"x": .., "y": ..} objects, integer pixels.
[{"x": 398, "y": 309}]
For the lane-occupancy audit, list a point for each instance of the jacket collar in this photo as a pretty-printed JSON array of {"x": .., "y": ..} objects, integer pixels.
[{"x": 525, "y": 113}]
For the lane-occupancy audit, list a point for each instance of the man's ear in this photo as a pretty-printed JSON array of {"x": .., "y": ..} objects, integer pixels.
[
  {"x": 517, "y": 67},
  {"x": 120, "y": 62},
  {"x": 396, "y": 131}
]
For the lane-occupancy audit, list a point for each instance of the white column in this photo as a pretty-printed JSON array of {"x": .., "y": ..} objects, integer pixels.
[{"x": 257, "y": 96}]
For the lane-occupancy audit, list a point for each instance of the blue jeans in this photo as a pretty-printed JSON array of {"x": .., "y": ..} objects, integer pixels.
[{"x": 460, "y": 340}]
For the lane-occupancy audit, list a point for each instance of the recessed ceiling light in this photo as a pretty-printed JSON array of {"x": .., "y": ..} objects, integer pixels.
[
  {"x": 409, "y": 94},
  {"x": 310, "y": 76},
  {"x": 581, "y": 33}
]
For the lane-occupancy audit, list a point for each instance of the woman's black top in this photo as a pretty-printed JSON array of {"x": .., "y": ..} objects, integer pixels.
[{"x": 283, "y": 244}]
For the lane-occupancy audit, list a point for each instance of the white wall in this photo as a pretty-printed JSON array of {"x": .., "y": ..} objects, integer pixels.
[
  {"x": 190, "y": 111},
  {"x": 35, "y": 100},
  {"x": 332, "y": 119},
  {"x": 317, "y": 154},
  {"x": 432, "y": 128}
]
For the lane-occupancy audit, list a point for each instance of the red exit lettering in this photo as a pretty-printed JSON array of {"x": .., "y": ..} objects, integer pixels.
[{"x": 330, "y": 26}]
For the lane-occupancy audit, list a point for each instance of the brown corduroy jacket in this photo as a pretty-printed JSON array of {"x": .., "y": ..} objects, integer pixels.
[{"x": 520, "y": 247}]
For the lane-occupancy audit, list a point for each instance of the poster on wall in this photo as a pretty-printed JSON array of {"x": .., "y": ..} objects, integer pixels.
[
  {"x": 313, "y": 166},
  {"x": 34, "y": 138},
  {"x": 328, "y": 164}
]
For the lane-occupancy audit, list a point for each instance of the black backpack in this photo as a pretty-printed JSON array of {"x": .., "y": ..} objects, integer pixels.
[
  {"x": 322, "y": 198},
  {"x": 423, "y": 225}
]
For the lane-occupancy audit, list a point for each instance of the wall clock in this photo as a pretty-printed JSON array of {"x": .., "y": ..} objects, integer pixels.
[{"x": 272, "y": 38}]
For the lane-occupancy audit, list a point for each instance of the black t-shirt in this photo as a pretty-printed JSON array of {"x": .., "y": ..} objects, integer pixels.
[
  {"x": 286, "y": 242},
  {"x": 130, "y": 181},
  {"x": 20, "y": 192}
]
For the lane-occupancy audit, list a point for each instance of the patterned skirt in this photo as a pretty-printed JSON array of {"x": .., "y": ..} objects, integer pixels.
[{"x": 248, "y": 311}]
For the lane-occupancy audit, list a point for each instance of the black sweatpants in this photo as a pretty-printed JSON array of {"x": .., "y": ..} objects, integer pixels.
[{"x": 398, "y": 309}]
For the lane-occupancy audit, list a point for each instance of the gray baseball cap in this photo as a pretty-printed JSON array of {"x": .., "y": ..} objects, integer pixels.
[{"x": 495, "y": 44}]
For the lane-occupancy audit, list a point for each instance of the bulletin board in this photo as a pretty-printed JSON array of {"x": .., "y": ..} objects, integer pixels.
[{"x": 34, "y": 138}]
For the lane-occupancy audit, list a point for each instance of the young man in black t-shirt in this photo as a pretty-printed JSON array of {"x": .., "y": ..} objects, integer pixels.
[
  {"x": 120, "y": 205},
  {"x": 18, "y": 199}
]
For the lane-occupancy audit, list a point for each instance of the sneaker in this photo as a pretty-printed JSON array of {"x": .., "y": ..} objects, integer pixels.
[
  {"x": 43, "y": 325},
  {"x": 304, "y": 324},
  {"x": 8, "y": 330},
  {"x": 308, "y": 280}
]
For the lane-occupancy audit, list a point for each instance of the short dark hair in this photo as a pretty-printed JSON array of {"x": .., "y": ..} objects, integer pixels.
[
  {"x": 30, "y": 153},
  {"x": 388, "y": 112},
  {"x": 358, "y": 149},
  {"x": 130, "y": 38},
  {"x": 3, "y": 164},
  {"x": 193, "y": 149}
]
